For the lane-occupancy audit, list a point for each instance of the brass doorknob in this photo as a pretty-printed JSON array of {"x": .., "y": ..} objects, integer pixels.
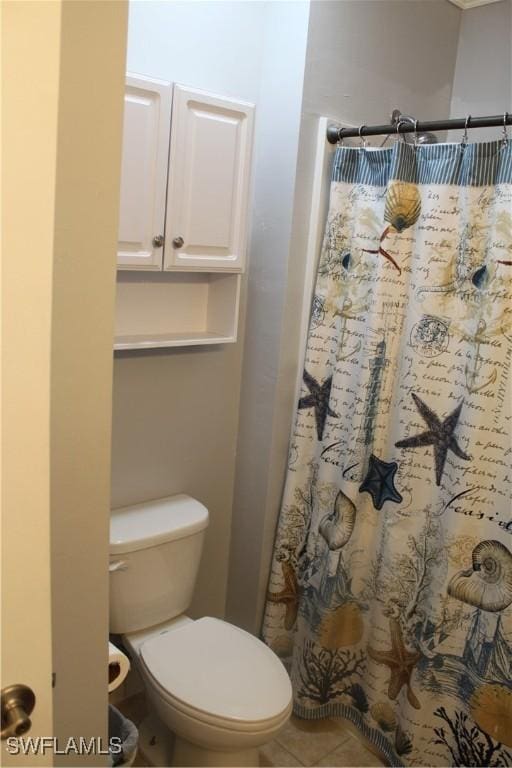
[
  {"x": 16, "y": 705},
  {"x": 178, "y": 242}
]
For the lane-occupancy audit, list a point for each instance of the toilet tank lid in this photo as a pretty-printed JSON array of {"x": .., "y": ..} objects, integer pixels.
[{"x": 154, "y": 522}]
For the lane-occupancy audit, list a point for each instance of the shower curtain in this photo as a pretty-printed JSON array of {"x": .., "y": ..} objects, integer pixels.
[{"x": 390, "y": 594}]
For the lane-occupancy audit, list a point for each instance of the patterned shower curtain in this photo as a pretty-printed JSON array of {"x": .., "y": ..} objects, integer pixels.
[{"x": 390, "y": 593}]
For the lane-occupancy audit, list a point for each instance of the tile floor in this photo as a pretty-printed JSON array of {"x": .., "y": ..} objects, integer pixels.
[
  {"x": 317, "y": 743},
  {"x": 300, "y": 743}
]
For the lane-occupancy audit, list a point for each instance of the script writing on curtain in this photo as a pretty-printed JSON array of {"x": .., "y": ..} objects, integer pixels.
[{"x": 390, "y": 594}]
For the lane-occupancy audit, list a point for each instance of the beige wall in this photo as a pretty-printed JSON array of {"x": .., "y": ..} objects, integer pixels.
[
  {"x": 175, "y": 412},
  {"x": 280, "y": 104},
  {"x": 364, "y": 57},
  {"x": 92, "y": 62},
  {"x": 483, "y": 75},
  {"x": 175, "y": 422}
]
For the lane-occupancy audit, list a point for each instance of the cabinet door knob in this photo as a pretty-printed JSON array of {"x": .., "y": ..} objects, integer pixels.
[
  {"x": 158, "y": 241},
  {"x": 178, "y": 242}
]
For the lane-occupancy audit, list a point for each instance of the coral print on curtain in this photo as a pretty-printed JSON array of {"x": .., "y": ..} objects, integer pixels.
[{"x": 391, "y": 586}]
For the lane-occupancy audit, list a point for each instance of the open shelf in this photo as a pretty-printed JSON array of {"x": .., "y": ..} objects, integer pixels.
[
  {"x": 158, "y": 310},
  {"x": 149, "y": 341}
]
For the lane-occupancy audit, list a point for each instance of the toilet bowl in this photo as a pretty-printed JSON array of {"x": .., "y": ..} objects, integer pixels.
[
  {"x": 224, "y": 697},
  {"x": 219, "y": 691}
]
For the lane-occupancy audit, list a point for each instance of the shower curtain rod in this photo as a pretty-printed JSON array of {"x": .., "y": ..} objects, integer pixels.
[{"x": 335, "y": 134}]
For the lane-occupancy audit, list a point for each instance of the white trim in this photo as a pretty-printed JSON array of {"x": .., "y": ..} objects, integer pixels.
[
  {"x": 318, "y": 215},
  {"x": 467, "y": 4}
]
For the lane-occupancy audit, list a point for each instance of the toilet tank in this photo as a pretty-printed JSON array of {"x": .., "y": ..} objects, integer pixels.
[{"x": 155, "y": 550}]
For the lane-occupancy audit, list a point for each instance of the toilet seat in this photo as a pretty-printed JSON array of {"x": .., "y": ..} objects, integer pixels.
[
  {"x": 219, "y": 674},
  {"x": 200, "y": 718}
]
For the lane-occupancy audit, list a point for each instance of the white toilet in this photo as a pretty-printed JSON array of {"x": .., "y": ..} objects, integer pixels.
[{"x": 218, "y": 689}]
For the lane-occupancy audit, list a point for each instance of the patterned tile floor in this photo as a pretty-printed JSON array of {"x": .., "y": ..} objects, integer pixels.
[{"x": 300, "y": 743}]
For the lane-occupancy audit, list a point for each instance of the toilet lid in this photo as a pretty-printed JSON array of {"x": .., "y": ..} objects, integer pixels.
[{"x": 220, "y": 670}]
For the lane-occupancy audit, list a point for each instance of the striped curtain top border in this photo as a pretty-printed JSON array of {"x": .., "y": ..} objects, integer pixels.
[{"x": 476, "y": 165}]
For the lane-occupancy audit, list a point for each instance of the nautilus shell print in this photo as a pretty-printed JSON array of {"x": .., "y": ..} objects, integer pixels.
[
  {"x": 488, "y": 584},
  {"x": 391, "y": 581},
  {"x": 403, "y": 205},
  {"x": 336, "y": 527}
]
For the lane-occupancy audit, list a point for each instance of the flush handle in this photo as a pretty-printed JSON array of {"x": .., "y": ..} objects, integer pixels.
[{"x": 16, "y": 707}]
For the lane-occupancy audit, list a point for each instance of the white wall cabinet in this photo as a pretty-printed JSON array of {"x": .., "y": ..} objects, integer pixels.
[
  {"x": 208, "y": 190},
  {"x": 184, "y": 208},
  {"x": 205, "y": 177},
  {"x": 147, "y": 114}
]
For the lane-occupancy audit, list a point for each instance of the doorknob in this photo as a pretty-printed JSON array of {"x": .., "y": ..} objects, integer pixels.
[
  {"x": 178, "y": 242},
  {"x": 158, "y": 241},
  {"x": 16, "y": 706}
]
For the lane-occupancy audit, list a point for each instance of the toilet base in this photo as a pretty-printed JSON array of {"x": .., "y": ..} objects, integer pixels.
[
  {"x": 187, "y": 754},
  {"x": 156, "y": 742}
]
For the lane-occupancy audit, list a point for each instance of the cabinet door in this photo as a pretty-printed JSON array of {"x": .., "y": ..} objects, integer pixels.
[
  {"x": 209, "y": 169},
  {"x": 147, "y": 113}
]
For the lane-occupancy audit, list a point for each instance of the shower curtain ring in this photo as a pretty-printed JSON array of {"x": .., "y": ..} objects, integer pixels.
[
  {"x": 340, "y": 135},
  {"x": 464, "y": 140},
  {"x": 399, "y": 123},
  {"x": 506, "y": 137},
  {"x": 361, "y": 138},
  {"x": 415, "y": 133}
]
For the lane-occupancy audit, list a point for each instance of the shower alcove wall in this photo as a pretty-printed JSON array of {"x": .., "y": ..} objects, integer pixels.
[
  {"x": 355, "y": 73},
  {"x": 176, "y": 410}
]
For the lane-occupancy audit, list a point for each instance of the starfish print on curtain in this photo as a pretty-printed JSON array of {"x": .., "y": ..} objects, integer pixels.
[
  {"x": 401, "y": 663},
  {"x": 440, "y": 435},
  {"x": 319, "y": 400},
  {"x": 288, "y": 596},
  {"x": 390, "y": 591},
  {"x": 380, "y": 482}
]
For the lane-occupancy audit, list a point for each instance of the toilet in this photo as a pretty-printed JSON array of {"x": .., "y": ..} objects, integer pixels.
[{"x": 218, "y": 690}]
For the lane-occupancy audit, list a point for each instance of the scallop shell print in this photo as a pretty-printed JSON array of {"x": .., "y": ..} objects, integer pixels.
[
  {"x": 491, "y": 709},
  {"x": 336, "y": 527},
  {"x": 403, "y": 205},
  {"x": 488, "y": 584},
  {"x": 282, "y": 646},
  {"x": 341, "y": 627},
  {"x": 384, "y": 715}
]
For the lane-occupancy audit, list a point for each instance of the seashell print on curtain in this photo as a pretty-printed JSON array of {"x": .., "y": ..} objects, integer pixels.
[{"x": 390, "y": 595}]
